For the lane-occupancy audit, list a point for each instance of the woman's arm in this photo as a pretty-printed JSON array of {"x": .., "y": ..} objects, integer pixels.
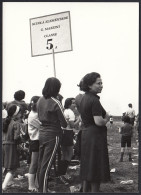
[{"x": 100, "y": 121}]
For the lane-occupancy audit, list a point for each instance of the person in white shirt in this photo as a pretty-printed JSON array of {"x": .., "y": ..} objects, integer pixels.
[
  {"x": 131, "y": 113},
  {"x": 33, "y": 131},
  {"x": 67, "y": 138}
]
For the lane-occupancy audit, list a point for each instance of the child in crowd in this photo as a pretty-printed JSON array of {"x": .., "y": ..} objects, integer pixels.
[
  {"x": 33, "y": 130},
  {"x": 67, "y": 139},
  {"x": 126, "y": 132},
  {"x": 111, "y": 121},
  {"x": 10, "y": 140},
  {"x": 19, "y": 101}
]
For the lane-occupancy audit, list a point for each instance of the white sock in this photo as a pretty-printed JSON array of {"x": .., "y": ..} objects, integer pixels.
[{"x": 31, "y": 181}]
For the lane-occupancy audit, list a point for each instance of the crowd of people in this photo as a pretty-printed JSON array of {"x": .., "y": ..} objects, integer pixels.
[{"x": 49, "y": 129}]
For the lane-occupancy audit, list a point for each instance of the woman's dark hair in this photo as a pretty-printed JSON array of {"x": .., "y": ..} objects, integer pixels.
[
  {"x": 88, "y": 80},
  {"x": 10, "y": 112},
  {"x": 68, "y": 102},
  {"x": 33, "y": 103},
  {"x": 19, "y": 95},
  {"x": 51, "y": 88}
]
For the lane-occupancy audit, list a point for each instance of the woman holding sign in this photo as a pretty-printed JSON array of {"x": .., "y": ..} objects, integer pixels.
[
  {"x": 94, "y": 152},
  {"x": 50, "y": 113}
]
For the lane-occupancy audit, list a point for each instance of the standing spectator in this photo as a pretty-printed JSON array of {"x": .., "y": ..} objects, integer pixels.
[
  {"x": 67, "y": 139},
  {"x": 10, "y": 140},
  {"x": 131, "y": 113},
  {"x": 33, "y": 130},
  {"x": 50, "y": 113},
  {"x": 126, "y": 132},
  {"x": 19, "y": 100},
  {"x": 94, "y": 152},
  {"x": 76, "y": 112},
  {"x": 111, "y": 121}
]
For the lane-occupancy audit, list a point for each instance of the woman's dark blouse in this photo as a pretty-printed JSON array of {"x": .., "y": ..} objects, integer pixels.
[{"x": 90, "y": 106}]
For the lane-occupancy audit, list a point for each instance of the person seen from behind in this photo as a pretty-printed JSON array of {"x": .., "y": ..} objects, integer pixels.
[
  {"x": 94, "y": 167},
  {"x": 51, "y": 116},
  {"x": 19, "y": 101},
  {"x": 67, "y": 140},
  {"x": 131, "y": 113},
  {"x": 126, "y": 132},
  {"x": 33, "y": 131},
  {"x": 11, "y": 137}
]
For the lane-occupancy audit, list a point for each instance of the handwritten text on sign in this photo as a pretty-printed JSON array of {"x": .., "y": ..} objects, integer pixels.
[{"x": 51, "y": 32}]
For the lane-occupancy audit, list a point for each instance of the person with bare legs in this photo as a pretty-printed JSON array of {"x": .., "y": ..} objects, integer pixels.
[{"x": 126, "y": 132}]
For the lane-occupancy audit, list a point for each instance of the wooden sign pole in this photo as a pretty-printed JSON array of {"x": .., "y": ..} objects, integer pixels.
[{"x": 54, "y": 62}]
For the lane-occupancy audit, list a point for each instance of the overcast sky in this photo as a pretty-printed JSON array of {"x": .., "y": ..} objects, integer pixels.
[{"x": 105, "y": 39}]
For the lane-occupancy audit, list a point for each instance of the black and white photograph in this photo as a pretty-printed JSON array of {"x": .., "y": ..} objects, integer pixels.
[{"x": 70, "y": 97}]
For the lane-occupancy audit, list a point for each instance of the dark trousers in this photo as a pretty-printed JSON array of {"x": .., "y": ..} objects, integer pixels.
[{"x": 47, "y": 152}]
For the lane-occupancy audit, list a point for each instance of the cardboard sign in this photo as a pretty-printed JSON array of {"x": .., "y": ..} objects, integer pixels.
[{"x": 51, "y": 32}]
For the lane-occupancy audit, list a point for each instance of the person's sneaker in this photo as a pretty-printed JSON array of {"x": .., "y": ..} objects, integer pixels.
[{"x": 62, "y": 179}]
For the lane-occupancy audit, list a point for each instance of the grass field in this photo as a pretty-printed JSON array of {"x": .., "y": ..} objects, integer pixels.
[{"x": 123, "y": 170}]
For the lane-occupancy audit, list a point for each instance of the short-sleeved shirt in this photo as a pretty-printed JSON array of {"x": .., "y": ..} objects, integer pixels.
[
  {"x": 33, "y": 125},
  {"x": 90, "y": 106},
  {"x": 126, "y": 130},
  {"x": 131, "y": 112}
]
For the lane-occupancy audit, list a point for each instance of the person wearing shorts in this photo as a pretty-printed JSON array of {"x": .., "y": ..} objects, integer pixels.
[
  {"x": 126, "y": 132},
  {"x": 33, "y": 131},
  {"x": 67, "y": 139}
]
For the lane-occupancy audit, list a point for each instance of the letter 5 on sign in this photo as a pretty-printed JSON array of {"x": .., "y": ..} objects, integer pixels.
[{"x": 44, "y": 37}]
